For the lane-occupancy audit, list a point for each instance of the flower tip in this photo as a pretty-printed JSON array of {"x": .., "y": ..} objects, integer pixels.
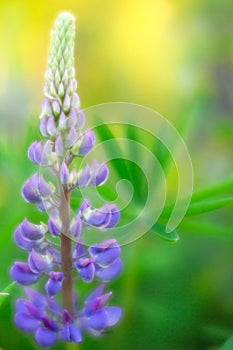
[{"x": 65, "y": 15}]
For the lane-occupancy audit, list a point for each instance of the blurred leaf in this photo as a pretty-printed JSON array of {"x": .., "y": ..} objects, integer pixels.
[
  {"x": 160, "y": 230},
  {"x": 228, "y": 345},
  {"x": 213, "y": 190},
  {"x": 6, "y": 292},
  {"x": 209, "y": 205},
  {"x": 200, "y": 207}
]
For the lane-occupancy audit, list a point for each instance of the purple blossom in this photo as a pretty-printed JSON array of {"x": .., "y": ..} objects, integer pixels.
[{"x": 92, "y": 175}]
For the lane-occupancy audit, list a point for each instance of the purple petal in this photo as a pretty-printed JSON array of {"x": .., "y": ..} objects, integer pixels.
[
  {"x": 53, "y": 306},
  {"x": 84, "y": 205},
  {"x": 106, "y": 274},
  {"x": 62, "y": 121},
  {"x": 31, "y": 151},
  {"x": 54, "y": 283},
  {"x": 56, "y": 107},
  {"x": 54, "y": 226},
  {"x": 98, "y": 320},
  {"x": 75, "y": 334},
  {"x": 36, "y": 298},
  {"x": 113, "y": 314},
  {"x": 44, "y": 207},
  {"x": 20, "y": 306},
  {"x": 39, "y": 262},
  {"x": 25, "y": 322},
  {"x": 32, "y": 231},
  {"x": 72, "y": 119},
  {"x": 72, "y": 137},
  {"x": 67, "y": 318},
  {"x": 80, "y": 119},
  {"x": 87, "y": 143},
  {"x": 64, "y": 173},
  {"x": 59, "y": 148},
  {"x": 76, "y": 227},
  {"x": 45, "y": 337},
  {"x": 79, "y": 251},
  {"x": 52, "y": 287},
  {"x": 66, "y": 103},
  {"x": 55, "y": 254},
  {"x": 46, "y": 107},
  {"x": 94, "y": 217},
  {"x": 75, "y": 102},
  {"x": 95, "y": 294},
  {"x": 100, "y": 176},
  {"x": 105, "y": 254},
  {"x": 40, "y": 185},
  {"x": 39, "y": 158},
  {"x": 43, "y": 127},
  {"x": 49, "y": 323},
  {"x": 22, "y": 274},
  {"x": 71, "y": 333},
  {"x": 46, "y": 154},
  {"x": 24, "y": 242},
  {"x": 115, "y": 217},
  {"x": 84, "y": 177},
  {"x": 29, "y": 193},
  {"x": 86, "y": 269},
  {"x": 51, "y": 128}
]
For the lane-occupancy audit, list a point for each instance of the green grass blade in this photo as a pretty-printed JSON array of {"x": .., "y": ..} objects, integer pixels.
[{"x": 6, "y": 292}]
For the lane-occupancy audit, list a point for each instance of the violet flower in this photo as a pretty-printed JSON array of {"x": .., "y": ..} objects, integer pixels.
[{"x": 53, "y": 314}]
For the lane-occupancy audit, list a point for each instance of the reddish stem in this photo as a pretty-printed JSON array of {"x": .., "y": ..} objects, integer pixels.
[{"x": 66, "y": 250}]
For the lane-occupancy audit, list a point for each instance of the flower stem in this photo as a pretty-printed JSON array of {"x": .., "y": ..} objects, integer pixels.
[{"x": 66, "y": 248}]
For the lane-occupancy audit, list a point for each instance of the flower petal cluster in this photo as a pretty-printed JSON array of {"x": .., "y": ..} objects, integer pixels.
[
  {"x": 41, "y": 315},
  {"x": 55, "y": 254}
]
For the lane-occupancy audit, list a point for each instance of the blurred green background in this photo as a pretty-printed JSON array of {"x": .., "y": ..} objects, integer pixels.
[{"x": 177, "y": 58}]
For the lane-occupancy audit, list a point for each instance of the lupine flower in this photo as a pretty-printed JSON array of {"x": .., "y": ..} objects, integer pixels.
[{"x": 52, "y": 314}]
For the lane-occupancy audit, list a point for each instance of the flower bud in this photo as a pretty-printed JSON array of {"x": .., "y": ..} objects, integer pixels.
[
  {"x": 64, "y": 173},
  {"x": 75, "y": 103},
  {"x": 54, "y": 283},
  {"x": 72, "y": 137},
  {"x": 43, "y": 127},
  {"x": 59, "y": 148},
  {"x": 109, "y": 273},
  {"x": 22, "y": 274},
  {"x": 84, "y": 177},
  {"x": 56, "y": 108},
  {"x": 46, "y": 108},
  {"x": 66, "y": 103},
  {"x": 62, "y": 121},
  {"x": 86, "y": 269},
  {"x": 51, "y": 128},
  {"x": 39, "y": 262}
]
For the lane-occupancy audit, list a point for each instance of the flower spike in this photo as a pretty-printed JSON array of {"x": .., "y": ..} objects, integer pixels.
[{"x": 61, "y": 265}]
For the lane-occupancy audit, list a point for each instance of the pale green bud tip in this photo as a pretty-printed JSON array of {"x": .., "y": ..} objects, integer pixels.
[
  {"x": 65, "y": 17},
  {"x": 60, "y": 74}
]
